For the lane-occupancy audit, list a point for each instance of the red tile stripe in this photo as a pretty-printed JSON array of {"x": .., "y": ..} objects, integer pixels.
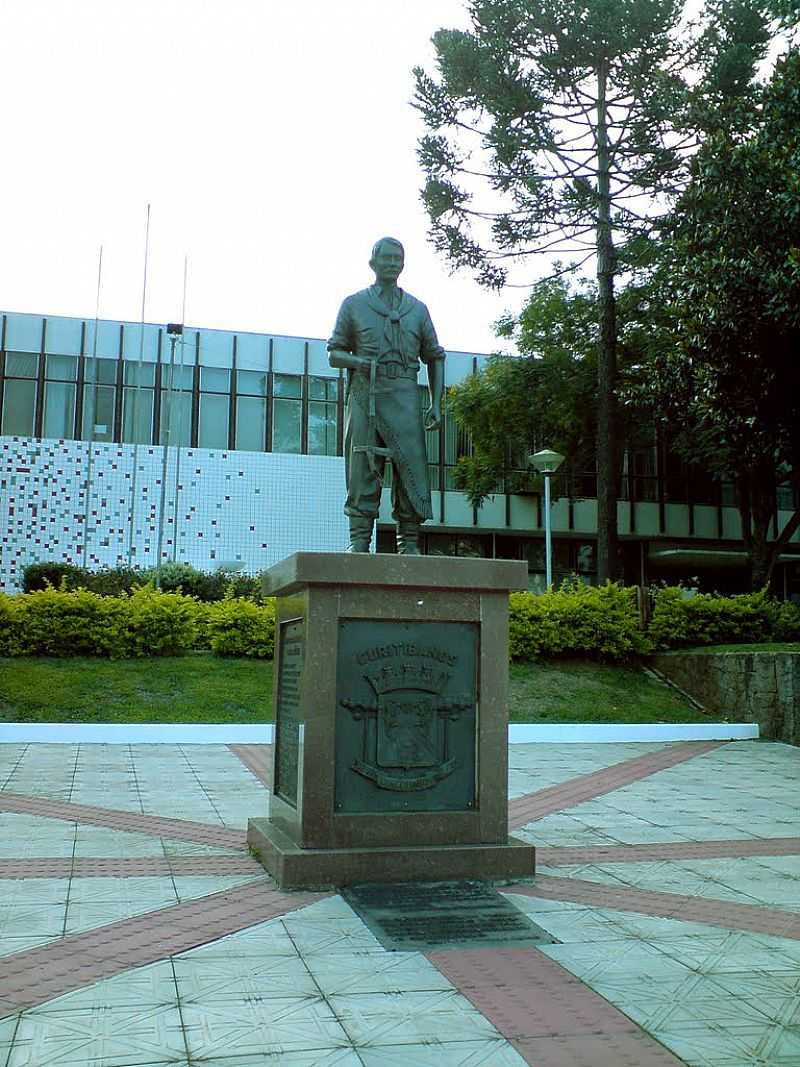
[
  {"x": 535, "y": 806},
  {"x": 751, "y": 918},
  {"x": 33, "y": 977},
  {"x": 668, "y": 850},
  {"x": 175, "y": 829},
  {"x": 550, "y": 1017},
  {"x": 258, "y": 759},
  {"x": 128, "y": 866}
]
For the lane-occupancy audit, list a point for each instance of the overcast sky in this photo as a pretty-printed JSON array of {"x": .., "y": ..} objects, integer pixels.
[{"x": 273, "y": 138}]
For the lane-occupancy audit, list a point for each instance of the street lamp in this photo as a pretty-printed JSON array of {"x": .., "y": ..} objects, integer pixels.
[{"x": 547, "y": 463}]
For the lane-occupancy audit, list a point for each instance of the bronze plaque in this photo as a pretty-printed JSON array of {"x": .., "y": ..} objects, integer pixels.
[
  {"x": 291, "y": 652},
  {"x": 406, "y": 716}
]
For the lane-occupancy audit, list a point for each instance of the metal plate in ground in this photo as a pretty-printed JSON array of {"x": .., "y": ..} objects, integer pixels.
[{"x": 419, "y": 916}]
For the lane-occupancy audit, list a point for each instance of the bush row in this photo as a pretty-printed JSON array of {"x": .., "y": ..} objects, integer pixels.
[
  {"x": 709, "y": 619},
  {"x": 147, "y": 622},
  {"x": 113, "y": 581},
  {"x": 577, "y": 620}
]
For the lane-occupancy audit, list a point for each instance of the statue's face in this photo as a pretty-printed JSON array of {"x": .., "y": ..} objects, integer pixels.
[{"x": 388, "y": 263}]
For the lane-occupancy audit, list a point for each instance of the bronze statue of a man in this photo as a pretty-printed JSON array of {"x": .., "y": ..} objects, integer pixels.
[{"x": 380, "y": 336}]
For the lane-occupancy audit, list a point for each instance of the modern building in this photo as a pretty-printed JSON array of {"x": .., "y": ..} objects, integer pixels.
[{"x": 124, "y": 443}]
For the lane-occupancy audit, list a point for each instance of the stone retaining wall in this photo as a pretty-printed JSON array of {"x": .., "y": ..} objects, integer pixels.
[{"x": 762, "y": 687}]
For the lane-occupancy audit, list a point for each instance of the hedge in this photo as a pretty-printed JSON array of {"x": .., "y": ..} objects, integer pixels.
[
  {"x": 679, "y": 621},
  {"x": 600, "y": 622},
  {"x": 113, "y": 581},
  {"x": 147, "y": 622}
]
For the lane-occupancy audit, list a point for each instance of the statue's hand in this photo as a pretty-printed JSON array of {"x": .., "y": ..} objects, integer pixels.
[{"x": 433, "y": 417}]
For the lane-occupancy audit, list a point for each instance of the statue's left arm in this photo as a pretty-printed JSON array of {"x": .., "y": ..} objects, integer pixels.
[{"x": 432, "y": 355}]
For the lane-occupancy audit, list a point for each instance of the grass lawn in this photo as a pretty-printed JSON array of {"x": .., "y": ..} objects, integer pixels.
[
  {"x": 582, "y": 691},
  {"x": 206, "y": 688},
  {"x": 195, "y": 688}
]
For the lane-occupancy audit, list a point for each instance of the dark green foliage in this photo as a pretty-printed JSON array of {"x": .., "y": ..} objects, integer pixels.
[
  {"x": 108, "y": 581},
  {"x": 729, "y": 382},
  {"x": 183, "y": 578},
  {"x": 708, "y": 619},
  {"x": 113, "y": 581},
  {"x": 40, "y": 575}
]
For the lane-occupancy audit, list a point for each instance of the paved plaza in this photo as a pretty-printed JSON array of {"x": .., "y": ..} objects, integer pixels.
[{"x": 135, "y": 929}]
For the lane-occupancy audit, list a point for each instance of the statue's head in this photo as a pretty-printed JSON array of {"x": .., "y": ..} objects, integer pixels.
[{"x": 387, "y": 260}]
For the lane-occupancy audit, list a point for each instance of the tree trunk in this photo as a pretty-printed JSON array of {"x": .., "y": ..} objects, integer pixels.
[
  {"x": 763, "y": 552},
  {"x": 607, "y": 446}
]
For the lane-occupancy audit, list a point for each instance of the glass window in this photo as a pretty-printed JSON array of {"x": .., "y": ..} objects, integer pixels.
[
  {"x": 102, "y": 371},
  {"x": 19, "y": 405},
  {"x": 59, "y": 409},
  {"x": 137, "y": 416},
  {"x": 176, "y": 418},
  {"x": 472, "y": 547},
  {"x": 251, "y": 423},
  {"x": 252, "y": 382},
  {"x": 215, "y": 380},
  {"x": 174, "y": 376},
  {"x": 288, "y": 385},
  {"x": 286, "y": 426},
  {"x": 441, "y": 545},
  {"x": 139, "y": 373},
  {"x": 21, "y": 365},
  {"x": 321, "y": 429},
  {"x": 98, "y": 412},
  {"x": 62, "y": 368},
  {"x": 323, "y": 388},
  {"x": 586, "y": 558},
  {"x": 213, "y": 428}
]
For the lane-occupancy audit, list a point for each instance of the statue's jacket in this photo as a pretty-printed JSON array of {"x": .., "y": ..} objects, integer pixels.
[{"x": 398, "y": 338}]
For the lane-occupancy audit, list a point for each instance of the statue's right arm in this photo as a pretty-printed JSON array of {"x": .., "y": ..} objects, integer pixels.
[{"x": 342, "y": 343}]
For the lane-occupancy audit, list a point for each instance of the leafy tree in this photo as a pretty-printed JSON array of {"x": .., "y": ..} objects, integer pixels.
[
  {"x": 731, "y": 270},
  {"x": 576, "y": 118},
  {"x": 549, "y": 396}
]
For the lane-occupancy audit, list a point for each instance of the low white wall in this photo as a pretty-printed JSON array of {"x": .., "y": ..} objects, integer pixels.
[{"x": 250, "y": 734}]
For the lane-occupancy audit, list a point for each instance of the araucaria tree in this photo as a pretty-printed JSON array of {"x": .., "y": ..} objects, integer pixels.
[{"x": 564, "y": 127}]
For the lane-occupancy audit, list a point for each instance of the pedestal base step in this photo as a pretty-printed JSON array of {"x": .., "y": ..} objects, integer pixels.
[{"x": 293, "y": 867}]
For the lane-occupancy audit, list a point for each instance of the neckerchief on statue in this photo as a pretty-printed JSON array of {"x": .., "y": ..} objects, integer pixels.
[{"x": 393, "y": 334}]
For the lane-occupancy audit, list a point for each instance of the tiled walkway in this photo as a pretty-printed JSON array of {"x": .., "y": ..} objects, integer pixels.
[{"x": 135, "y": 931}]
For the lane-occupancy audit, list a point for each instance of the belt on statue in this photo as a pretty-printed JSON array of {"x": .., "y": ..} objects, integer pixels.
[{"x": 395, "y": 370}]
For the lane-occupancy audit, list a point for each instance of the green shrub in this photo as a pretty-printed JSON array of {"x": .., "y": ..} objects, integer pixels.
[
  {"x": 711, "y": 619},
  {"x": 183, "y": 578},
  {"x": 786, "y": 622},
  {"x": 41, "y": 575},
  {"x": 237, "y": 627},
  {"x": 108, "y": 581},
  {"x": 601, "y": 622},
  {"x": 159, "y": 623},
  {"x": 10, "y": 626},
  {"x": 53, "y": 622},
  {"x": 245, "y": 586}
]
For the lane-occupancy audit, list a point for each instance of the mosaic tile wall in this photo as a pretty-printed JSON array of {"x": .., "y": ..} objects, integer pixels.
[{"x": 71, "y": 501}]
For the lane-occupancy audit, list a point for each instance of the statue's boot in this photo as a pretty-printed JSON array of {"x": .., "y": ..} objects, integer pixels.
[
  {"x": 408, "y": 539},
  {"x": 360, "y": 533}
]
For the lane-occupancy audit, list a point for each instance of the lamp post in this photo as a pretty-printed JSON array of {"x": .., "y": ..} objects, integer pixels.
[
  {"x": 174, "y": 333},
  {"x": 547, "y": 462}
]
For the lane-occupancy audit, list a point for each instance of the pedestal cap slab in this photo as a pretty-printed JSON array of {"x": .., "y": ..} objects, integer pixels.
[{"x": 446, "y": 573}]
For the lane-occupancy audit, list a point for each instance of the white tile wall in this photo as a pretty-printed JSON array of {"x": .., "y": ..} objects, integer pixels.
[{"x": 71, "y": 501}]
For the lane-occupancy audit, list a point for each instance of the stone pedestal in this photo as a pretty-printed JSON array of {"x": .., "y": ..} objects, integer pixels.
[{"x": 391, "y": 747}]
